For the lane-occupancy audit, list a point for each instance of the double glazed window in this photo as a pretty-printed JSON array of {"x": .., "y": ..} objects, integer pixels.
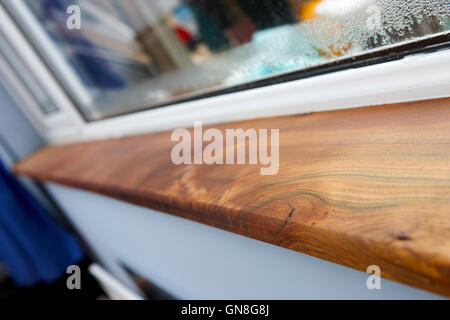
[{"x": 130, "y": 55}]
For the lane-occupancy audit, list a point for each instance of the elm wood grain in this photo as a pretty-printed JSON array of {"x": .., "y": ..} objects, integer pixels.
[{"x": 357, "y": 187}]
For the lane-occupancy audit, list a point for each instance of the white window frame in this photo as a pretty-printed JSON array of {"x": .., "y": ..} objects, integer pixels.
[{"x": 415, "y": 77}]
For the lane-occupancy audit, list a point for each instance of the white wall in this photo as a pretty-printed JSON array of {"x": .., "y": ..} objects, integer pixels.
[
  {"x": 15, "y": 128},
  {"x": 18, "y": 138}
]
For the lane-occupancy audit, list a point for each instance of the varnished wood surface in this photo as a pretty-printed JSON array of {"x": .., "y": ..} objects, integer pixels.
[{"x": 359, "y": 187}]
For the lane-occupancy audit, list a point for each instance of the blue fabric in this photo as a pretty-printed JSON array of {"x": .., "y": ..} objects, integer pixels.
[{"x": 33, "y": 247}]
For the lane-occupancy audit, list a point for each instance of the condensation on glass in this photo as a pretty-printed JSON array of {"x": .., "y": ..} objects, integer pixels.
[{"x": 135, "y": 54}]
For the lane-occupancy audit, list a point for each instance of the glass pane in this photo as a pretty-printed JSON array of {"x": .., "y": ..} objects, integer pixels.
[
  {"x": 134, "y": 54},
  {"x": 46, "y": 104}
]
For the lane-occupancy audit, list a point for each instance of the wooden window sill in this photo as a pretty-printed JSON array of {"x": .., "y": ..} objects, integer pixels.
[{"x": 359, "y": 187}]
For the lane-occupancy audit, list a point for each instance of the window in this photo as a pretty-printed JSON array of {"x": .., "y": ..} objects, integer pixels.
[
  {"x": 130, "y": 55},
  {"x": 26, "y": 76}
]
